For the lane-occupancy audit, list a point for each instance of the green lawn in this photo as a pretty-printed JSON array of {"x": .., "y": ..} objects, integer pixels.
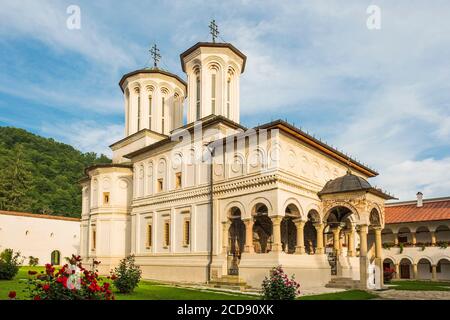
[
  {"x": 344, "y": 295},
  {"x": 420, "y": 285},
  {"x": 148, "y": 290}
]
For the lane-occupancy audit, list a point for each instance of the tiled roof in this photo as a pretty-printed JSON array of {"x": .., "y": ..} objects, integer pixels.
[
  {"x": 39, "y": 216},
  {"x": 437, "y": 209}
]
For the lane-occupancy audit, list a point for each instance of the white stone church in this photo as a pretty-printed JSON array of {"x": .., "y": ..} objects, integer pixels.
[{"x": 211, "y": 201}]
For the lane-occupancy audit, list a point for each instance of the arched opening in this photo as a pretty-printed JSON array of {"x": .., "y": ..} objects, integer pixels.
[
  {"x": 288, "y": 229},
  {"x": 404, "y": 235},
  {"x": 236, "y": 240},
  {"x": 388, "y": 270},
  {"x": 55, "y": 258},
  {"x": 375, "y": 222},
  {"x": 443, "y": 269},
  {"x": 387, "y": 237},
  {"x": 442, "y": 233},
  {"x": 405, "y": 269},
  {"x": 262, "y": 229},
  {"x": 423, "y": 236},
  {"x": 310, "y": 233},
  {"x": 337, "y": 220},
  {"x": 424, "y": 270}
]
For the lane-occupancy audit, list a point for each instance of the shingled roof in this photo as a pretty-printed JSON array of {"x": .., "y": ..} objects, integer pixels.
[{"x": 432, "y": 210}]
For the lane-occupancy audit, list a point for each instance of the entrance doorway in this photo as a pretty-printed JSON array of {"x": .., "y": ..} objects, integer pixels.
[
  {"x": 236, "y": 241},
  {"x": 405, "y": 269}
]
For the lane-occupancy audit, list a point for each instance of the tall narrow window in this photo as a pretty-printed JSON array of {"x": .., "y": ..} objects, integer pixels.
[
  {"x": 198, "y": 109},
  {"x": 213, "y": 93},
  {"x": 94, "y": 239},
  {"x": 150, "y": 112},
  {"x": 228, "y": 97},
  {"x": 139, "y": 114},
  {"x": 160, "y": 185},
  {"x": 167, "y": 233},
  {"x": 162, "y": 111},
  {"x": 186, "y": 232},
  {"x": 178, "y": 180},
  {"x": 149, "y": 235},
  {"x": 105, "y": 198}
]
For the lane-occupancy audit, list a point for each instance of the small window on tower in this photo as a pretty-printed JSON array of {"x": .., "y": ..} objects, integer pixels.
[
  {"x": 94, "y": 239},
  {"x": 178, "y": 180},
  {"x": 105, "y": 198},
  {"x": 160, "y": 185}
]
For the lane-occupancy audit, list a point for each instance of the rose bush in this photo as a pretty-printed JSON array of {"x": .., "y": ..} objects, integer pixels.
[
  {"x": 71, "y": 282},
  {"x": 279, "y": 287},
  {"x": 127, "y": 275},
  {"x": 388, "y": 274}
]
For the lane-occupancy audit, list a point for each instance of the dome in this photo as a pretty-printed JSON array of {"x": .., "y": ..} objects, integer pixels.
[{"x": 346, "y": 183}]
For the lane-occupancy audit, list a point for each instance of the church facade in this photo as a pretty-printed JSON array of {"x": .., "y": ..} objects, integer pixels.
[{"x": 211, "y": 201}]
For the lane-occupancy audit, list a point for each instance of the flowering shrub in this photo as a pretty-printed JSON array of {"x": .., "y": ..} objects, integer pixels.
[
  {"x": 127, "y": 275},
  {"x": 12, "y": 295},
  {"x": 388, "y": 274},
  {"x": 9, "y": 264},
  {"x": 71, "y": 282},
  {"x": 279, "y": 287}
]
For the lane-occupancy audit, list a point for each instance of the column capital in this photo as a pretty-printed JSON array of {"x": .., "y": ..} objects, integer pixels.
[
  {"x": 276, "y": 219},
  {"x": 318, "y": 225},
  {"x": 248, "y": 219},
  {"x": 363, "y": 228},
  {"x": 299, "y": 221}
]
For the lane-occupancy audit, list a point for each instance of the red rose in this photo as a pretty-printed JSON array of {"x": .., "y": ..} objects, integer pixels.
[
  {"x": 46, "y": 287},
  {"x": 37, "y": 297},
  {"x": 12, "y": 294}
]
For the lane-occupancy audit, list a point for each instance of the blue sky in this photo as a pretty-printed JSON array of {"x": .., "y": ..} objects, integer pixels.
[{"x": 382, "y": 96}]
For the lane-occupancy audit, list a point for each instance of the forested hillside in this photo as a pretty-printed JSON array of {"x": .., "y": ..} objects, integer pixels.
[{"x": 41, "y": 175}]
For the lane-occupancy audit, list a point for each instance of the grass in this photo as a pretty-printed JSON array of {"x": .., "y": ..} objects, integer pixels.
[
  {"x": 420, "y": 285},
  {"x": 18, "y": 284},
  {"x": 344, "y": 295}
]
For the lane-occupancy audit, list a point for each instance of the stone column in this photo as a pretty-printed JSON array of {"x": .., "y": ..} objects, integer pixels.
[
  {"x": 363, "y": 261},
  {"x": 336, "y": 240},
  {"x": 396, "y": 239},
  {"x": 413, "y": 238},
  {"x": 225, "y": 235},
  {"x": 319, "y": 229},
  {"x": 397, "y": 271},
  {"x": 415, "y": 273},
  {"x": 378, "y": 243},
  {"x": 300, "y": 247},
  {"x": 433, "y": 272},
  {"x": 351, "y": 243},
  {"x": 249, "y": 236},
  {"x": 276, "y": 225},
  {"x": 433, "y": 238}
]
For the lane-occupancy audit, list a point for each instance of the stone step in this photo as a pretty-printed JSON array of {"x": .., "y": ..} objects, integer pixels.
[{"x": 342, "y": 283}]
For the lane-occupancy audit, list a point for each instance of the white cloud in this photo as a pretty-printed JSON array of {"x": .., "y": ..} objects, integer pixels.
[{"x": 86, "y": 136}]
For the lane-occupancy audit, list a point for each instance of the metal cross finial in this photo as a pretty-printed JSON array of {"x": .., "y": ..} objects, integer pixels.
[
  {"x": 213, "y": 30},
  {"x": 154, "y": 51}
]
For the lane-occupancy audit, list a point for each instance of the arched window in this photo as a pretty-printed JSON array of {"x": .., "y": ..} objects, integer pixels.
[
  {"x": 55, "y": 257},
  {"x": 197, "y": 98},
  {"x": 228, "y": 96},
  {"x": 150, "y": 112},
  {"x": 139, "y": 113},
  {"x": 163, "y": 106},
  {"x": 213, "y": 93}
]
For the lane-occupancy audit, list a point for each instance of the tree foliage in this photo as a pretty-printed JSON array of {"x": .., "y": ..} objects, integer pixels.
[{"x": 41, "y": 175}]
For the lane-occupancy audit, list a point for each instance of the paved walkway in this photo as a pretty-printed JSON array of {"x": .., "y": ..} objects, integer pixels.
[{"x": 413, "y": 295}]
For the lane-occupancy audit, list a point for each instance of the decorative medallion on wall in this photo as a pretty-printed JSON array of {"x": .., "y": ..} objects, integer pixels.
[
  {"x": 177, "y": 160},
  {"x": 123, "y": 184},
  {"x": 292, "y": 158},
  {"x": 255, "y": 159},
  {"x": 305, "y": 165},
  {"x": 236, "y": 167}
]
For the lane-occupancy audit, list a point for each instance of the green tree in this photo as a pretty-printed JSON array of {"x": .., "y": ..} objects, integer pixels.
[{"x": 15, "y": 183}]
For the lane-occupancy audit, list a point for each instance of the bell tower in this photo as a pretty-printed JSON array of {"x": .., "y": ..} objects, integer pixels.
[{"x": 213, "y": 70}]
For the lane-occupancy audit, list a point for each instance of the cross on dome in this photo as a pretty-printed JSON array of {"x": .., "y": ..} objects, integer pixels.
[
  {"x": 156, "y": 56},
  {"x": 213, "y": 30}
]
